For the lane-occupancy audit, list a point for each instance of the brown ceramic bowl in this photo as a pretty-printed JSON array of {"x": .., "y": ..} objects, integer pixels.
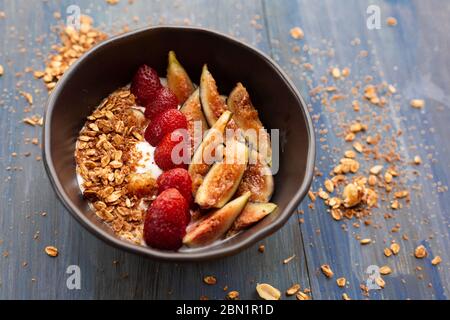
[{"x": 113, "y": 63}]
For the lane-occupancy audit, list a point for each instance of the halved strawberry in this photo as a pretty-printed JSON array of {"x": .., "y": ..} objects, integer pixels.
[
  {"x": 173, "y": 151},
  {"x": 164, "y": 100},
  {"x": 164, "y": 124},
  {"x": 166, "y": 221},
  {"x": 179, "y": 179},
  {"x": 145, "y": 84}
]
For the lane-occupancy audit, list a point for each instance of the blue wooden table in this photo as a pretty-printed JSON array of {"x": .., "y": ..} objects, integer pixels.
[{"x": 412, "y": 56}]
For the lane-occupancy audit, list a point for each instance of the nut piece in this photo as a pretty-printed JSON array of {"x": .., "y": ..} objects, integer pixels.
[
  {"x": 210, "y": 280},
  {"x": 417, "y": 103},
  {"x": 366, "y": 241},
  {"x": 420, "y": 252},
  {"x": 297, "y": 33},
  {"x": 341, "y": 282},
  {"x": 353, "y": 195},
  {"x": 51, "y": 251},
  {"x": 326, "y": 269},
  {"x": 293, "y": 290},
  {"x": 436, "y": 260},
  {"x": 267, "y": 292}
]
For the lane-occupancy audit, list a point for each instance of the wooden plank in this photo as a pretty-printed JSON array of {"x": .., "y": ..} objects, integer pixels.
[
  {"x": 413, "y": 57},
  {"x": 27, "y": 192}
]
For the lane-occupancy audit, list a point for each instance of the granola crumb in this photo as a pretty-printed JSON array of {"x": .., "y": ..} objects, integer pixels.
[
  {"x": 289, "y": 259},
  {"x": 51, "y": 251},
  {"x": 326, "y": 270},
  {"x": 2, "y": 70},
  {"x": 420, "y": 252},
  {"x": 385, "y": 270},
  {"x": 345, "y": 296},
  {"x": 233, "y": 295},
  {"x": 261, "y": 248},
  {"x": 293, "y": 289},
  {"x": 417, "y": 160},
  {"x": 297, "y": 33},
  {"x": 417, "y": 103},
  {"x": 391, "y": 21},
  {"x": 436, "y": 260},
  {"x": 210, "y": 280},
  {"x": 302, "y": 296},
  {"x": 395, "y": 248},
  {"x": 341, "y": 282}
]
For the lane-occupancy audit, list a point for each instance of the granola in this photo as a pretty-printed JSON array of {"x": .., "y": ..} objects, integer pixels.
[{"x": 106, "y": 157}]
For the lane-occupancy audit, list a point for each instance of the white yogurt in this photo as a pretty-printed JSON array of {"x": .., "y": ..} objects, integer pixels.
[{"x": 146, "y": 163}]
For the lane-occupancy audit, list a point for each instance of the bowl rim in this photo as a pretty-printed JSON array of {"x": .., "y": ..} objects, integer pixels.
[{"x": 214, "y": 253}]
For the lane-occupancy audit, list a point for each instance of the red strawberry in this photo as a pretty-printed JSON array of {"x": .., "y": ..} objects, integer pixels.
[
  {"x": 165, "y": 123},
  {"x": 164, "y": 100},
  {"x": 177, "y": 143},
  {"x": 179, "y": 179},
  {"x": 145, "y": 84},
  {"x": 166, "y": 221}
]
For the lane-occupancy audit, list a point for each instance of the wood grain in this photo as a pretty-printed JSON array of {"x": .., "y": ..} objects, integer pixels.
[
  {"x": 408, "y": 57},
  {"x": 412, "y": 56}
]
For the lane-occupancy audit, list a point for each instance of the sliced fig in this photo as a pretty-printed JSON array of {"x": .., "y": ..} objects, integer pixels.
[
  {"x": 246, "y": 117},
  {"x": 199, "y": 165},
  {"x": 192, "y": 109},
  {"x": 213, "y": 103},
  {"x": 257, "y": 179},
  {"x": 222, "y": 181},
  {"x": 178, "y": 80},
  {"x": 252, "y": 213},
  {"x": 216, "y": 224}
]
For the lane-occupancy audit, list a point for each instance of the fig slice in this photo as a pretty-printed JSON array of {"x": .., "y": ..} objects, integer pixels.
[
  {"x": 223, "y": 179},
  {"x": 257, "y": 179},
  {"x": 178, "y": 80},
  {"x": 212, "y": 102},
  {"x": 246, "y": 117},
  {"x": 216, "y": 224},
  {"x": 252, "y": 213},
  {"x": 211, "y": 144},
  {"x": 192, "y": 109}
]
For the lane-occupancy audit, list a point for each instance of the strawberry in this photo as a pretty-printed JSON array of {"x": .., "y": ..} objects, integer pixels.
[
  {"x": 164, "y": 100},
  {"x": 164, "y": 124},
  {"x": 145, "y": 84},
  {"x": 179, "y": 179},
  {"x": 166, "y": 221},
  {"x": 177, "y": 143}
]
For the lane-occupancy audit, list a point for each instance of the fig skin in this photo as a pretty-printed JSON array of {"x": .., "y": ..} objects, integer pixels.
[
  {"x": 223, "y": 179},
  {"x": 192, "y": 109},
  {"x": 252, "y": 213},
  {"x": 178, "y": 80},
  {"x": 216, "y": 224}
]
